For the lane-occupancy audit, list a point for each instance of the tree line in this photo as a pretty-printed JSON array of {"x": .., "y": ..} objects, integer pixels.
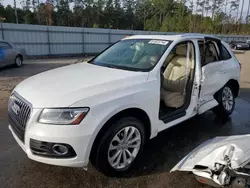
[{"x": 205, "y": 16}]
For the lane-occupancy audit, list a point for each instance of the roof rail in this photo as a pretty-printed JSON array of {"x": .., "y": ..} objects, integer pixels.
[{"x": 197, "y": 34}]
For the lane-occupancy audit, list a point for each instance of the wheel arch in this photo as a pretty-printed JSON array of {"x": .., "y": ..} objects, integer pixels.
[
  {"x": 235, "y": 87},
  {"x": 20, "y": 55},
  {"x": 134, "y": 112}
]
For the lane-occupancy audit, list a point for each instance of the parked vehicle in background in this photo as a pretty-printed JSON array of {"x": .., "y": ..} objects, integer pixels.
[
  {"x": 106, "y": 109},
  {"x": 239, "y": 45},
  {"x": 11, "y": 54},
  {"x": 248, "y": 42}
]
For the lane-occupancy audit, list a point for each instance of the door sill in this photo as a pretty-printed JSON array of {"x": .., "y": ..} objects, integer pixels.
[
  {"x": 173, "y": 116},
  {"x": 207, "y": 106}
]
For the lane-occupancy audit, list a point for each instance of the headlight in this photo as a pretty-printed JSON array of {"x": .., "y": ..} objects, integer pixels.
[{"x": 63, "y": 116}]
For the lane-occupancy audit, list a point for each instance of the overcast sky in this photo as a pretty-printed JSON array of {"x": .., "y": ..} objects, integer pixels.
[{"x": 11, "y": 2}]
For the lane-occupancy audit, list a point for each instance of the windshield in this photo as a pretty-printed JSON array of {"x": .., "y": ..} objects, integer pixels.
[{"x": 132, "y": 54}]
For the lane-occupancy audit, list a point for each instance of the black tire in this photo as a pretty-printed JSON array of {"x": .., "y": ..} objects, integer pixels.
[
  {"x": 101, "y": 161},
  {"x": 18, "y": 61},
  {"x": 221, "y": 109}
]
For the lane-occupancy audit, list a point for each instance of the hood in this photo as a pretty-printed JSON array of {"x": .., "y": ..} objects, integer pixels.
[
  {"x": 218, "y": 150},
  {"x": 64, "y": 86}
]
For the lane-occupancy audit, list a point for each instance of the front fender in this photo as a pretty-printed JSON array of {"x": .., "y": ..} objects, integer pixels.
[{"x": 105, "y": 106}]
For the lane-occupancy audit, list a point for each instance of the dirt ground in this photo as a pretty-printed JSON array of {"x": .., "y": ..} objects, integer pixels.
[{"x": 160, "y": 155}]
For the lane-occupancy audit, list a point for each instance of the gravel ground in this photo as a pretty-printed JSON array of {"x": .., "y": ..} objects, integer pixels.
[{"x": 160, "y": 155}]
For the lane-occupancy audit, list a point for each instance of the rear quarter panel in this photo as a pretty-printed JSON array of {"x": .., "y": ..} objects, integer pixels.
[
  {"x": 232, "y": 66},
  {"x": 23, "y": 52}
]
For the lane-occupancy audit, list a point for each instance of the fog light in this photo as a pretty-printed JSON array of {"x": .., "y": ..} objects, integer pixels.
[
  {"x": 52, "y": 150},
  {"x": 60, "y": 149}
]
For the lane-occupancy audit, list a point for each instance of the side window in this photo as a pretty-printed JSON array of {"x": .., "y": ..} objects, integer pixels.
[
  {"x": 209, "y": 54},
  {"x": 5, "y": 45},
  {"x": 224, "y": 55}
]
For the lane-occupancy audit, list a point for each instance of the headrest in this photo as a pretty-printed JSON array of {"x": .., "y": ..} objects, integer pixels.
[{"x": 181, "y": 50}]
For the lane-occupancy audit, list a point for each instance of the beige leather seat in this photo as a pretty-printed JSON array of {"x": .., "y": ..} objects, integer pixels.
[{"x": 172, "y": 92}]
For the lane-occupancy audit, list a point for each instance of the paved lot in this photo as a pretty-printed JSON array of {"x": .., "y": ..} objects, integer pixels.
[{"x": 161, "y": 154}]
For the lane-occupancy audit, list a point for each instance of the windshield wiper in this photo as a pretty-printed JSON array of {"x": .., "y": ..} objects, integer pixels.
[
  {"x": 110, "y": 66},
  {"x": 118, "y": 67},
  {"x": 123, "y": 67}
]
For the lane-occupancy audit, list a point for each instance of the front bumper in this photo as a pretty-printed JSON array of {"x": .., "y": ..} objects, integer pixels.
[{"x": 72, "y": 135}]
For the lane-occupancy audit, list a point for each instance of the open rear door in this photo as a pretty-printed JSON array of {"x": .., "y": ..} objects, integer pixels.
[{"x": 210, "y": 78}]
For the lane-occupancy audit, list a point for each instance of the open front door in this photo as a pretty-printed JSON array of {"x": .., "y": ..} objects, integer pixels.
[{"x": 211, "y": 78}]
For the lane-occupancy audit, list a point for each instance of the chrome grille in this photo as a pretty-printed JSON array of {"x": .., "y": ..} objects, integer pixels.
[{"x": 19, "y": 111}]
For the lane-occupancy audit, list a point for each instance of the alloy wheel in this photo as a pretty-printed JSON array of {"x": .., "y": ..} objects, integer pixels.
[
  {"x": 18, "y": 61},
  {"x": 124, "y": 147},
  {"x": 227, "y": 98}
]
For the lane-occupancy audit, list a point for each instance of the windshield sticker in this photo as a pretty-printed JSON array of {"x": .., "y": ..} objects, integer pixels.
[{"x": 160, "y": 42}]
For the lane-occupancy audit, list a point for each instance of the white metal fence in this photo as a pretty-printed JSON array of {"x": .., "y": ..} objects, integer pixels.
[{"x": 56, "y": 41}]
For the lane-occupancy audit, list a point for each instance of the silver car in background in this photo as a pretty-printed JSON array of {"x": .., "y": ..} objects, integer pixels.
[{"x": 11, "y": 54}]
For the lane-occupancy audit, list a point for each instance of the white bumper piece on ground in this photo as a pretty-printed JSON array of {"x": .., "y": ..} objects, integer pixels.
[{"x": 220, "y": 161}]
